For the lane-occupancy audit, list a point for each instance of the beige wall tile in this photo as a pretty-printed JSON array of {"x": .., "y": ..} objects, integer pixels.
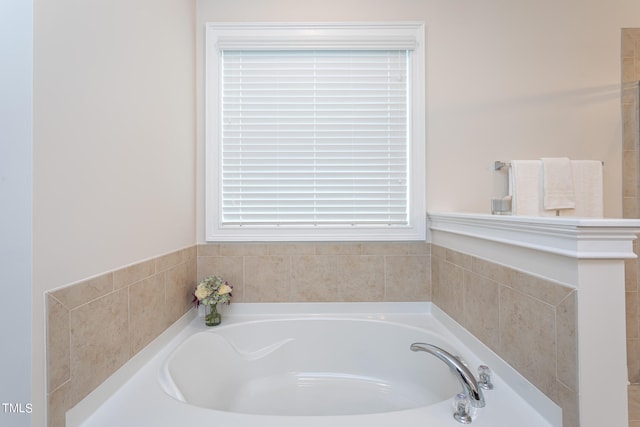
[
  {"x": 629, "y": 95},
  {"x": 436, "y": 262},
  {"x": 631, "y": 302},
  {"x": 630, "y": 207},
  {"x": 630, "y": 122},
  {"x": 536, "y": 287},
  {"x": 633, "y": 360},
  {"x": 634, "y": 402},
  {"x": 523, "y": 329},
  {"x": 419, "y": 248},
  {"x": 180, "y": 283},
  {"x": 338, "y": 248},
  {"x": 189, "y": 253},
  {"x": 314, "y": 278},
  {"x": 244, "y": 249},
  {"x": 630, "y": 173},
  {"x": 97, "y": 331},
  {"x": 58, "y": 359},
  {"x": 99, "y": 341},
  {"x": 230, "y": 268},
  {"x": 568, "y": 400},
  {"x": 481, "y": 313},
  {"x": 385, "y": 248},
  {"x": 147, "y": 311},
  {"x": 407, "y": 278},
  {"x": 438, "y": 251},
  {"x": 630, "y": 53},
  {"x": 80, "y": 293},
  {"x": 59, "y": 402},
  {"x": 628, "y": 44},
  {"x": 567, "y": 342},
  {"x": 527, "y": 338},
  {"x": 448, "y": 288},
  {"x": 631, "y": 275},
  {"x": 536, "y": 318},
  {"x": 628, "y": 70},
  {"x": 490, "y": 270},
  {"x": 209, "y": 249},
  {"x": 167, "y": 261},
  {"x": 267, "y": 278},
  {"x": 463, "y": 260},
  {"x": 292, "y": 249},
  {"x": 361, "y": 277},
  {"x": 134, "y": 273},
  {"x": 305, "y": 271}
]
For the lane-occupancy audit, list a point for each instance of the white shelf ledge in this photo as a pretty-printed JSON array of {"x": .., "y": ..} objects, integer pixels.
[
  {"x": 587, "y": 254},
  {"x": 579, "y": 238}
]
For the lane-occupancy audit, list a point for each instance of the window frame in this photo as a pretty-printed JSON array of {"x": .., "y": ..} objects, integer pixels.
[{"x": 314, "y": 36}]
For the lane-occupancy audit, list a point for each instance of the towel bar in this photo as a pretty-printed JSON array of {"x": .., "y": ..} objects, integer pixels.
[{"x": 498, "y": 165}]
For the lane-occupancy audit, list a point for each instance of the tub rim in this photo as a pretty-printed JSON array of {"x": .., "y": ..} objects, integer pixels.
[{"x": 422, "y": 314}]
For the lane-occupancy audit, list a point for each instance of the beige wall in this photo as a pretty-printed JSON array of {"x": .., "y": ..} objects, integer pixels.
[
  {"x": 114, "y": 149},
  {"x": 505, "y": 80}
]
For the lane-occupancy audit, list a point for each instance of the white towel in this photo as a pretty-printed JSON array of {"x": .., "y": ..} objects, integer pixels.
[
  {"x": 588, "y": 185},
  {"x": 525, "y": 187},
  {"x": 557, "y": 183}
]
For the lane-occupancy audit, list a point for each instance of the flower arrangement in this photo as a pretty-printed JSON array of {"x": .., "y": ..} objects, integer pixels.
[{"x": 212, "y": 291}]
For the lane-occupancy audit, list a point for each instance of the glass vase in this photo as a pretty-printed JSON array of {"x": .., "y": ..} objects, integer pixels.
[{"x": 211, "y": 315}]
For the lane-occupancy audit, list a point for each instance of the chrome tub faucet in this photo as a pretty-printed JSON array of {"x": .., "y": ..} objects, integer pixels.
[{"x": 469, "y": 383}]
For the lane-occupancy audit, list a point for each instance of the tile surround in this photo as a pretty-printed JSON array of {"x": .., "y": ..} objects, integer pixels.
[
  {"x": 630, "y": 59},
  {"x": 528, "y": 321},
  {"x": 533, "y": 329},
  {"x": 321, "y": 272},
  {"x": 96, "y": 325},
  {"x": 634, "y": 405},
  {"x": 630, "y": 75},
  {"x": 98, "y": 346}
]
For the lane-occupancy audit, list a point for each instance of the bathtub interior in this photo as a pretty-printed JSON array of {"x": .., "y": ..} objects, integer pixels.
[{"x": 308, "y": 367}]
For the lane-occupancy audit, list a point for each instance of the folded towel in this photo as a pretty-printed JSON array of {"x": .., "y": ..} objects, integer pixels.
[
  {"x": 557, "y": 185},
  {"x": 525, "y": 187},
  {"x": 588, "y": 185}
]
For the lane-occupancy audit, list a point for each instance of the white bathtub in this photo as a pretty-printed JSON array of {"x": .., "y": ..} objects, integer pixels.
[
  {"x": 308, "y": 366},
  {"x": 313, "y": 365}
]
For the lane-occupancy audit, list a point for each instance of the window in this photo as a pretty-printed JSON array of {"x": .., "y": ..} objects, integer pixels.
[{"x": 314, "y": 132}]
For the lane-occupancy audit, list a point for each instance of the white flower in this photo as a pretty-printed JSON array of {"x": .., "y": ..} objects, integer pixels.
[
  {"x": 202, "y": 292},
  {"x": 224, "y": 289}
]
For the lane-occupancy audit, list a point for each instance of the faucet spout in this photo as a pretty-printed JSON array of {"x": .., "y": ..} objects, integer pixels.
[{"x": 462, "y": 373}]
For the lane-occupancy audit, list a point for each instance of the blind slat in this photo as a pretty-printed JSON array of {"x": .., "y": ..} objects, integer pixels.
[{"x": 313, "y": 137}]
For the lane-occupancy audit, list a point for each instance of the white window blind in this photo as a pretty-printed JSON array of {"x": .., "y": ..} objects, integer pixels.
[
  {"x": 314, "y": 131},
  {"x": 318, "y": 137}
]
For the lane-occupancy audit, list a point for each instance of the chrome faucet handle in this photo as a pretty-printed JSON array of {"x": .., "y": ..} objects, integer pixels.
[
  {"x": 484, "y": 374},
  {"x": 462, "y": 406}
]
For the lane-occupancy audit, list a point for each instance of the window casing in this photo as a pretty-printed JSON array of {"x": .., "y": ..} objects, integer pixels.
[{"x": 314, "y": 132}]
